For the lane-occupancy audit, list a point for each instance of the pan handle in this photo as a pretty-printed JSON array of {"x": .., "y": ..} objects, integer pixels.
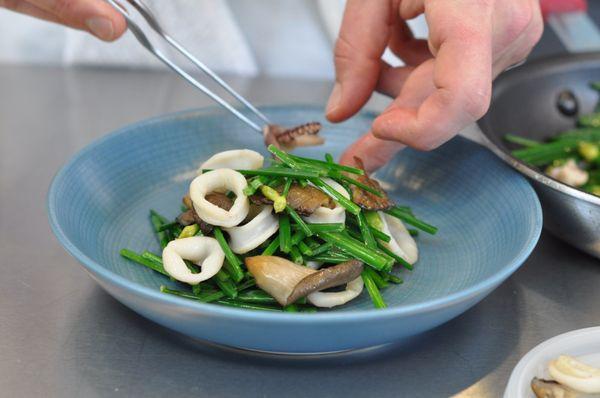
[
  {"x": 562, "y": 6},
  {"x": 571, "y": 23}
]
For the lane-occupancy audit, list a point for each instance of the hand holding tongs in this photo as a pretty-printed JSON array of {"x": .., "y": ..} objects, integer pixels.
[
  {"x": 302, "y": 135},
  {"x": 152, "y": 21}
]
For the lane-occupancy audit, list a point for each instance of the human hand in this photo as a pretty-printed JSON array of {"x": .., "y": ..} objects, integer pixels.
[
  {"x": 446, "y": 83},
  {"x": 95, "y": 16}
]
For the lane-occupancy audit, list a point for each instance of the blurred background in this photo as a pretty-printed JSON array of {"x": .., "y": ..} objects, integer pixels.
[
  {"x": 289, "y": 38},
  {"x": 276, "y": 38}
]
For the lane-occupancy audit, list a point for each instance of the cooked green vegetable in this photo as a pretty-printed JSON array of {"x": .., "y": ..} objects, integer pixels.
[
  {"x": 571, "y": 156},
  {"x": 232, "y": 264},
  {"x": 189, "y": 231},
  {"x": 373, "y": 290},
  {"x": 133, "y": 256},
  {"x": 285, "y": 234},
  {"x": 288, "y": 238},
  {"x": 588, "y": 150},
  {"x": 157, "y": 222},
  {"x": 590, "y": 120},
  {"x": 279, "y": 202},
  {"x": 409, "y": 218}
]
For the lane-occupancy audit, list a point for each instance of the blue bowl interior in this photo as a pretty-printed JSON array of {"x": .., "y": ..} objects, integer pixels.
[{"x": 488, "y": 216}]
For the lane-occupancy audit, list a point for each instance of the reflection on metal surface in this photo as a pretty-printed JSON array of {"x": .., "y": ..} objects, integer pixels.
[
  {"x": 571, "y": 214},
  {"x": 478, "y": 390},
  {"x": 78, "y": 341}
]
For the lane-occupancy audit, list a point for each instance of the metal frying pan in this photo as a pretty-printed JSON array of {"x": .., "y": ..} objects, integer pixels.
[{"x": 525, "y": 102}]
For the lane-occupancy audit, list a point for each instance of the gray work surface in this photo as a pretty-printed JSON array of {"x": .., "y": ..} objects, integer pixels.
[{"x": 62, "y": 336}]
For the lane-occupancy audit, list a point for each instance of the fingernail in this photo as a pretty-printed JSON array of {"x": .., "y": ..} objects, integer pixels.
[
  {"x": 101, "y": 27},
  {"x": 334, "y": 98}
]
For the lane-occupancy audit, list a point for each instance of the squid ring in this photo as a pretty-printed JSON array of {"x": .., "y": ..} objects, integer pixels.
[
  {"x": 331, "y": 299},
  {"x": 250, "y": 235},
  {"x": 327, "y": 215},
  {"x": 237, "y": 159},
  {"x": 401, "y": 244},
  {"x": 201, "y": 250},
  {"x": 221, "y": 180}
]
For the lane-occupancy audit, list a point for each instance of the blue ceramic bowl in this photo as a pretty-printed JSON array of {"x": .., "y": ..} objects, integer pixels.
[{"x": 488, "y": 216}]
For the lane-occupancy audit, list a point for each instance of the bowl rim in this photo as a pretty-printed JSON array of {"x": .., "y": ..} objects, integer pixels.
[
  {"x": 154, "y": 295},
  {"x": 550, "y": 64}
]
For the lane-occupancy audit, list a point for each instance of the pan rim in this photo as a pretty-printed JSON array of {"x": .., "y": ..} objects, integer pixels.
[{"x": 552, "y": 64}]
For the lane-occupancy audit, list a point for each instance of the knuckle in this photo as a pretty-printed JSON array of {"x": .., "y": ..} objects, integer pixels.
[
  {"x": 410, "y": 135},
  {"x": 343, "y": 50},
  {"x": 377, "y": 133},
  {"x": 342, "y": 47},
  {"x": 536, "y": 28},
  {"x": 349, "y": 61},
  {"x": 475, "y": 102},
  {"x": 523, "y": 19}
]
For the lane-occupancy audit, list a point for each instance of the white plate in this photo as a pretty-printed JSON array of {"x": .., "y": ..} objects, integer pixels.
[{"x": 584, "y": 344}]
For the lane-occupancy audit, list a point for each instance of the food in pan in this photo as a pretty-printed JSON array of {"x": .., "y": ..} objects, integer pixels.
[
  {"x": 572, "y": 379},
  {"x": 572, "y": 157},
  {"x": 296, "y": 235}
]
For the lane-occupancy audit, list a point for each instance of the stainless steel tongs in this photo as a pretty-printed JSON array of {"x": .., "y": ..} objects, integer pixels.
[{"x": 153, "y": 23}]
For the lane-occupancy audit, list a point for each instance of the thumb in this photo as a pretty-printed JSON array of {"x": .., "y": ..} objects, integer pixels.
[
  {"x": 373, "y": 151},
  {"x": 95, "y": 16}
]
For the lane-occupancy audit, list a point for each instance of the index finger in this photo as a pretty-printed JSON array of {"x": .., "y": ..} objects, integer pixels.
[
  {"x": 362, "y": 40},
  {"x": 461, "y": 41}
]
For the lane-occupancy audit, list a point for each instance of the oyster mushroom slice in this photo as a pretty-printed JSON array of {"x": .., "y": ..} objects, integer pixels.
[
  {"x": 365, "y": 199},
  {"x": 401, "y": 243},
  {"x": 325, "y": 214},
  {"x": 551, "y": 389},
  {"x": 314, "y": 264},
  {"x": 287, "y": 281},
  {"x": 201, "y": 250},
  {"x": 276, "y": 276},
  {"x": 305, "y": 200},
  {"x": 249, "y": 236},
  {"x": 331, "y": 299},
  {"x": 327, "y": 277},
  {"x": 221, "y": 180},
  {"x": 238, "y": 159}
]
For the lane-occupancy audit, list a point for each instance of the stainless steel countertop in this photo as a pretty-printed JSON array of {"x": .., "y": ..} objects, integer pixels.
[{"x": 62, "y": 336}]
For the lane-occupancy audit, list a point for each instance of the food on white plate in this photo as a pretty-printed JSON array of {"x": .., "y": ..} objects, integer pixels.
[
  {"x": 572, "y": 379},
  {"x": 295, "y": 235},
  {"x": 551, "y": 389}
]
